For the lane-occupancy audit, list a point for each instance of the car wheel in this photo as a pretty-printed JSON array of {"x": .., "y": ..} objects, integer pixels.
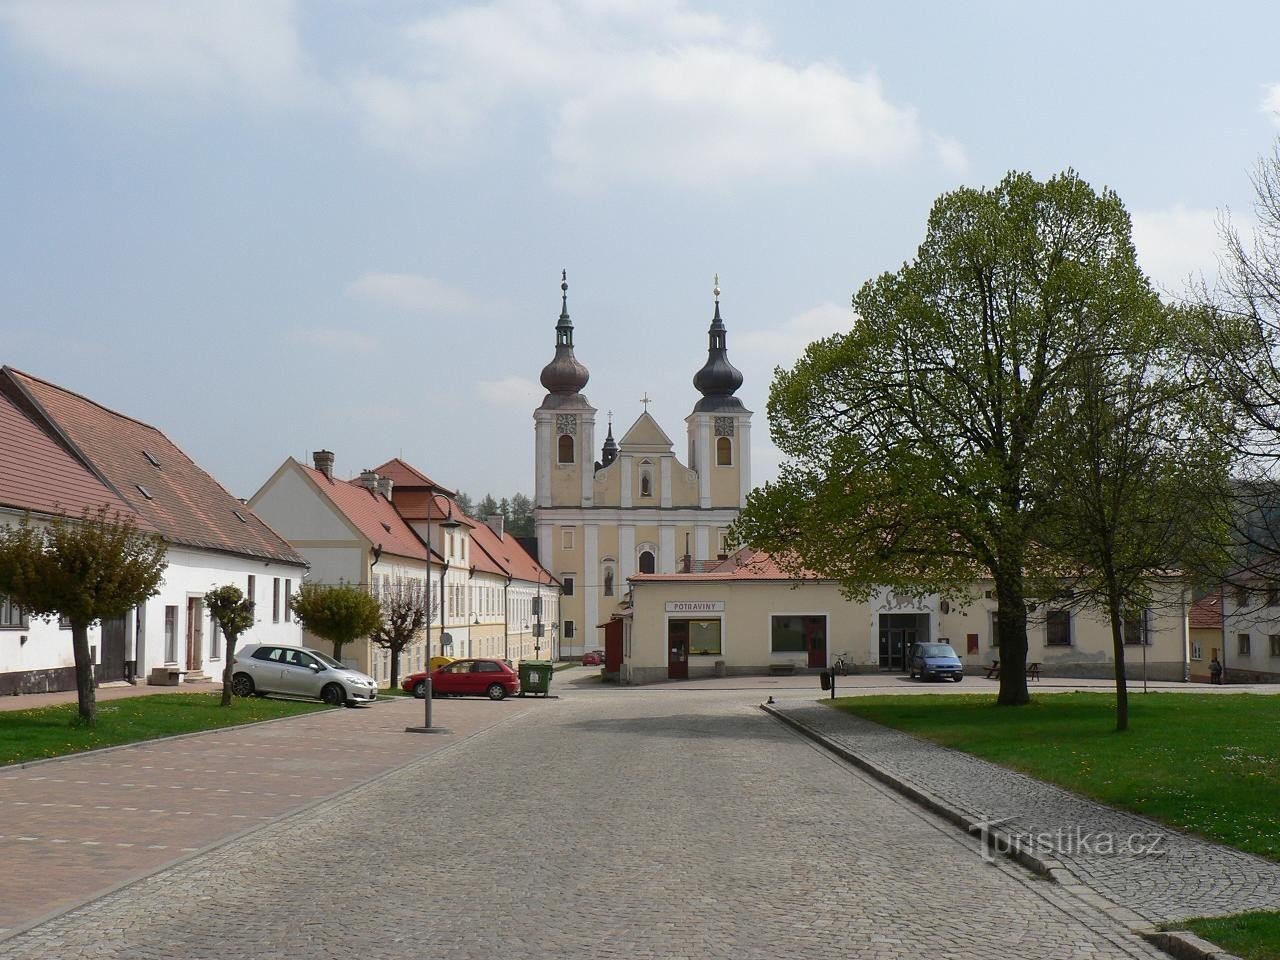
[
  {"x": 959, "y": 677},
  {"x": 333, "y": 695},
  {"x": 420, "y": 689},
  {"x": 242, "y": 685},
  {"x": 497, "y": 691}
]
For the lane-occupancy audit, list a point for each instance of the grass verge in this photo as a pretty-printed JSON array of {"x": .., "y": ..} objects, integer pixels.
[
  {"x": 54, "y": 731},
  {"x": 1205, "y": 764},
  {"x": 1251, "y": 936}
]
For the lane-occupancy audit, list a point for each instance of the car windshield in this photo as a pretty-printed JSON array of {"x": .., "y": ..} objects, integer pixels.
[
  {"x": 327, "y": 660},
  {"x": 936, "y": 650}
]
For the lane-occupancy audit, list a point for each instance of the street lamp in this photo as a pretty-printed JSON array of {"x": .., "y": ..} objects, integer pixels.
[{"x": 448, "y": 523}]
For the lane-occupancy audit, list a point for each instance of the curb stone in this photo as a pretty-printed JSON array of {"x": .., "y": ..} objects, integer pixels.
[{"x": 1182, "y": 944}]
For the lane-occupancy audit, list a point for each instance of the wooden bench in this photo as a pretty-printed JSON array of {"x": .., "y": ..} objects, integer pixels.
[
  {"x": 781, "y": 669},
  {"x": 1033, "y": 671},
  {"x": 993, "y": 671}
]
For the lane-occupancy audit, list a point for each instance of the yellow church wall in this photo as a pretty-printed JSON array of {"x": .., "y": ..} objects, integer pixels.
[
  {"x": 684, "y": 485},
  {"x": 566, "y": 485},
  {"x": 725, "y": 486},
  {"x": 608, "y": 485}
]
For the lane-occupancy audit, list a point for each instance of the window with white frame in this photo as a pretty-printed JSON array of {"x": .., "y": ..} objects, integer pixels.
[
  {"x": 1197, "y": 653},
  {"x": 12, "y": 616},
  {"x": 1242, "y": 644},
  {"x": 1275, "y": 645},
  {"x": 171, "y": 633}
]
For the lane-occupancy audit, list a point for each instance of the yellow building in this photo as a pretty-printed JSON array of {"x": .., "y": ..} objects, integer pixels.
[{"x": 639, "y": 509}]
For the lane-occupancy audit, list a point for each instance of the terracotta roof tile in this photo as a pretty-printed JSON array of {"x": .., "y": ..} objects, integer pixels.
[
  {"x": 405, "y": 475},
  {"x": 510, "y": 556},
  {"x": 1206, "y": 613},
  {"x": 149, "y": 472},
  {"x": 745, "y": 564},
  {"x": 37, "y": 473},
  {"x": 370, "y": 513}
]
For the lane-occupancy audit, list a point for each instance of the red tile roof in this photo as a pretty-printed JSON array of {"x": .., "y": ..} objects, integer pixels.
[
  {"x": 149, "y": 472},
  {"x": 37, "y": 473},
  {"x": 745, "y": 564},
  {"x": 1206, "y": 613},
  {"x": 509, "y": 555},
  {"x": 371, "y": 513},
  {"x": 406, "y": 475}
]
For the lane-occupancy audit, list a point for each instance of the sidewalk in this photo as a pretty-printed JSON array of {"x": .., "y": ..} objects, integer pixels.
[
  {"x": 1148, "y": 870},
  {"x": 117, "y": 690},
  {"x": 79, "y": 826}
]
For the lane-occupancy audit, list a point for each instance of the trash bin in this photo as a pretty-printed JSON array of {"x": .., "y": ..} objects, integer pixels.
[
  {"x": 825, "y": 679},
  {"x": 535, "y": 676}
]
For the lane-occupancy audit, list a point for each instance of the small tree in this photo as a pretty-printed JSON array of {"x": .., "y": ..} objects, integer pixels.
[
  {"x": 338, "y": 613},
  {"x": 404, "y": 614},
  {"x": 233, "y": 612},
  {"x": 487, "y": 507},
  {"x": 95, "y": 568}
]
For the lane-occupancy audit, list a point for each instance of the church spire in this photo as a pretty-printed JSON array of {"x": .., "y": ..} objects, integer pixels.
[
  {"x": 564, "y": 375},
  {"x": 718, "y": 379}
]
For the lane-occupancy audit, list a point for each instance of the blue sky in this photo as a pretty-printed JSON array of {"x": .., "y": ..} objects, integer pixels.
[{"x": 270, "y": 226}]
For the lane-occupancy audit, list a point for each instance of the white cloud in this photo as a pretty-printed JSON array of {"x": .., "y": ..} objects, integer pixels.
[
  {"x": 1176, "y": 243},
  {"x": 414, "y": 293},
  {"x": 952, "y": 154},
  {"x": 1271, "y": 102},
  {"x": 333, "y": 339},
  {"x": 511, "y": 393},
  {"x": 784, "y": 343},
  {"x": 249, "y": 47},
  {"x": 636, "y": 91}
]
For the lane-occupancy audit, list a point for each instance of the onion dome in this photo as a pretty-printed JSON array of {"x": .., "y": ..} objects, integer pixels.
[
  {"x": 718, "y": 379},
  {"x": 564, "y": 375}
]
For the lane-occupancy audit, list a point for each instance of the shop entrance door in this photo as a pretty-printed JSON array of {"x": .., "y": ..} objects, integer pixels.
[
  {"x": 897, "y": 633},
  {"x": 678, "y": 650}
]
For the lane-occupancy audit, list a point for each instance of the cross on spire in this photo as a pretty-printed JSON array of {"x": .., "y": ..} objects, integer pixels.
[{"x": 646, "y": 401}]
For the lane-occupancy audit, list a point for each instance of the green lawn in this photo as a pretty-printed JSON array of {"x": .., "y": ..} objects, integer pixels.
[
  {"x": 53, "y": 732},
  {"x": 1252, "y": 936},
  {"x": 1206, "y": 764}
]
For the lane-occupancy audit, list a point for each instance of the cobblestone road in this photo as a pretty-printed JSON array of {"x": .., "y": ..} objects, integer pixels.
[
  {"x": 639, "y": 825},
  {"x": 1172, "y": 877}
]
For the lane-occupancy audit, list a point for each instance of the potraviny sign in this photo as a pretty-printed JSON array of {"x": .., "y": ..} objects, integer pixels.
[{"x": 695, "y": 606}]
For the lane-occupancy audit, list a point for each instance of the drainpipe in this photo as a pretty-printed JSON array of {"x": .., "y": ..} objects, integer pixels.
[{"x": 506, "y": 619}]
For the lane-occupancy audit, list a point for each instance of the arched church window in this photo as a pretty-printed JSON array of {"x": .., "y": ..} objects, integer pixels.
[
  {"x": 646, "y": 484},
  {"x": 724, "y": 452},
  {"x": 608, "y": 581},
  {"x": 648, "y": 564},
  {"x": 565, "y": 444}
]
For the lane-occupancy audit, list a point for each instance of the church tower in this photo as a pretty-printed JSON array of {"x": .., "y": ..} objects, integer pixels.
[{"x": 719, "y": 431}]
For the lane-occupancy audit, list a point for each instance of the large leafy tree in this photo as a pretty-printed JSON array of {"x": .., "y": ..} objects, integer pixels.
[
  {"x": 95, "y": 568},
  {"x": 919, "y": 443},
  {"x": 405, "y": 613},
  {"x": 1139, "y": 488},
  {"x": 339, "y": 613},
  {"x": 233, "y": 612}
]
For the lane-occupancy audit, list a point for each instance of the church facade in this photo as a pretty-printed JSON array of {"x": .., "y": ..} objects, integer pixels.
[{"x": 639, "y": 508}]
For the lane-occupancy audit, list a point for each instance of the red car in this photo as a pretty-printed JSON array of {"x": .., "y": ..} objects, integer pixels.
[
  {"x": 593, "y": 658},
  {"x": 480, "y": 676}
]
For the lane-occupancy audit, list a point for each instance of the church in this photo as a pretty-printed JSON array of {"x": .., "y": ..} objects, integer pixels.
[{"x": 638, "y": 508}]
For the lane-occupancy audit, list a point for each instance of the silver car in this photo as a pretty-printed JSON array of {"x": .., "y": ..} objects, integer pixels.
[{"x": 261, "y": 668}]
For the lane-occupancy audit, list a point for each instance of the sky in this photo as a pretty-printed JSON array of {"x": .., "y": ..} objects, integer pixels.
[{"x": 269, "y": 227}]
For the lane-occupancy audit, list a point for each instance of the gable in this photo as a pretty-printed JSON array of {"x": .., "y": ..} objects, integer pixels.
[{"x": 645, "y": 435}]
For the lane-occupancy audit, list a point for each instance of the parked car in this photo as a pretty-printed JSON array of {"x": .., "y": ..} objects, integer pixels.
[
  {"x": 479, "y": 676},
  {"x": 593, "y": 658},
  {"x": 413, "y": 683},
  {"x": 262, "y": 668},
  {"x": 935, "y": 661}
]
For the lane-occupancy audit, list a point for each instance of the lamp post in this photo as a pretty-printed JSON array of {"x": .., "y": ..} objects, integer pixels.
[{"x": 448, "y": 523}]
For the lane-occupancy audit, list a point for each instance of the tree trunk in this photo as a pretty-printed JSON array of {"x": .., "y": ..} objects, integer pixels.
[
  {"x": 1011, "y": 624},
  {"x": 395, "y": 666},
  {"x": 84, "y": 673},
  {"x": 1122, "y": 685},
  {"x": 227, "y": 665}
]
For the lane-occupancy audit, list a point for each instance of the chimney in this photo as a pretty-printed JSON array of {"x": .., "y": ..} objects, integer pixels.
[
  {"x": 495, "y": 521},
  {"x": 369, "y": 480},
  {"x": 324, "y": 462},
  {"x": 384, "y": 486}
]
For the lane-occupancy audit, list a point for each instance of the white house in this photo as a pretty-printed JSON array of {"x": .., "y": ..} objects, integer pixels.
[{"x": 64, "y": 453}]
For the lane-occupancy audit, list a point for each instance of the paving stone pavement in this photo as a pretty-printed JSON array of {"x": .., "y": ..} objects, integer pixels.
[
  {"x": 1173, "y": 876},
  {"x": 647, "y": 825},
  {"x": 74, "y": 827}
]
